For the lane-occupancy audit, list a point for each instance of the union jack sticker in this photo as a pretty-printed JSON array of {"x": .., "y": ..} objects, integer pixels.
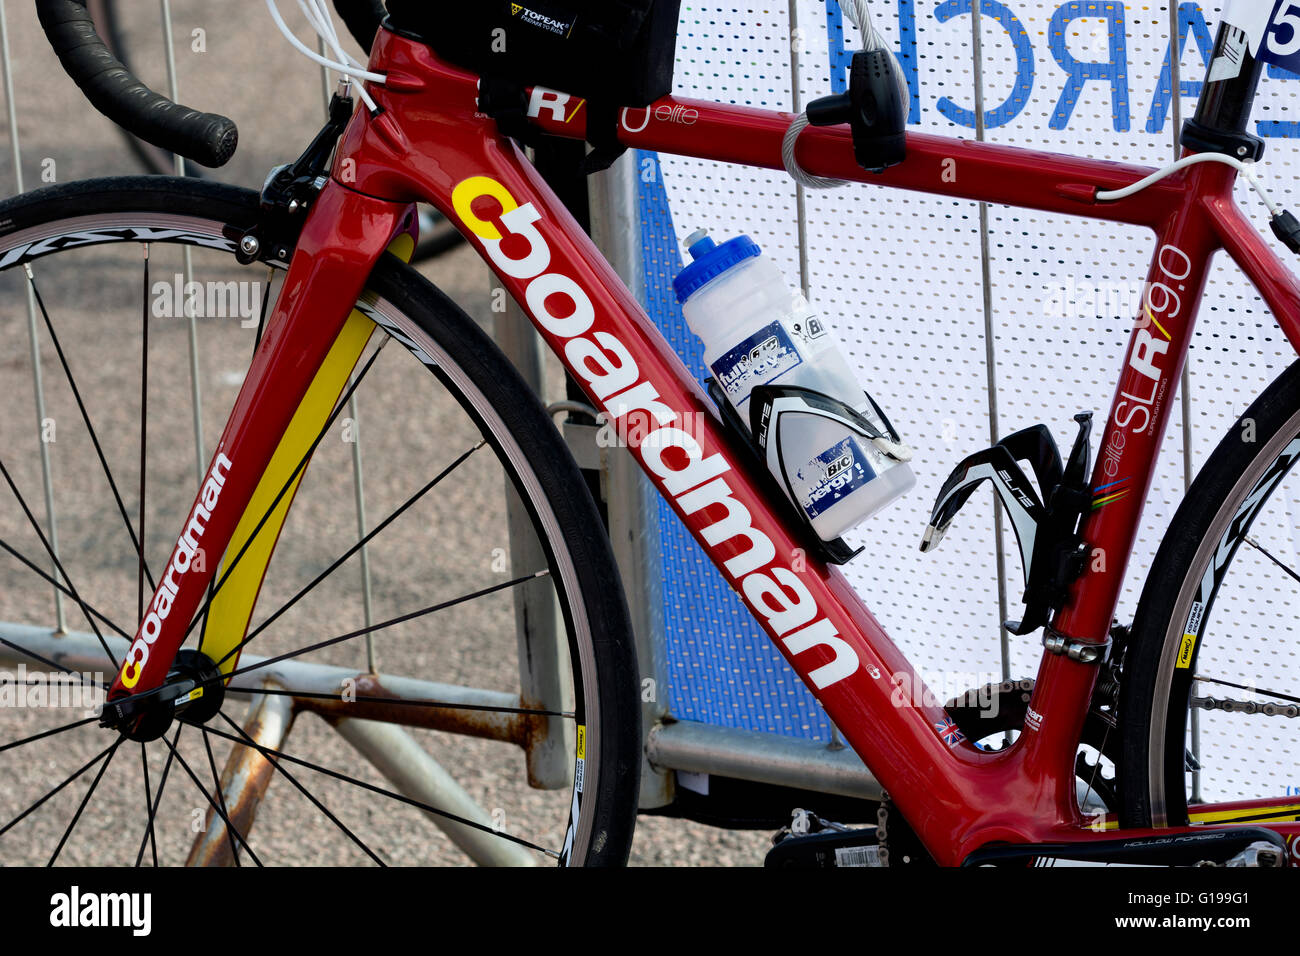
[{"x": 949, "y": 732}]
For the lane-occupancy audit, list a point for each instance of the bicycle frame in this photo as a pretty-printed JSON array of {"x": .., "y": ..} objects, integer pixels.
[{"x": 428, "y": 143}]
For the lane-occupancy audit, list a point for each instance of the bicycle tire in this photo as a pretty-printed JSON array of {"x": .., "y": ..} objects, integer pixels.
[
  {"x": 491, "y": 393},
  {"x": 1209, "y": 526}
]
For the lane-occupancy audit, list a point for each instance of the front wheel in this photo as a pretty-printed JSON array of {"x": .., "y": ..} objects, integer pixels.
[
  {"x": 1210, "y": 699},
  {"x": 439, "y": 661}
]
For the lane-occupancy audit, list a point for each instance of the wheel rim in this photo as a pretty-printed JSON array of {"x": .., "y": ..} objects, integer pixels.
[{"x": 1249, "y": 507}]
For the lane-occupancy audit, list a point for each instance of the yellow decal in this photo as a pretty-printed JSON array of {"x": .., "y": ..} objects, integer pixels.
[
  {"x": 232, "y": 607},
  {"x": 467, "y": 190},
  {"x": 582, "y": 742},
  {"x": 575, "y": 111},
  {"x": 1245, "y": 814},
  {"x": 1185, "y": 652},
  {"x": 1154, "y": 322}
]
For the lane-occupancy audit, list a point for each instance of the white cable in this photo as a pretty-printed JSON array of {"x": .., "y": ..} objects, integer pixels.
[
  {"x": 319, "y": 19},
  {"x": 860, "y": 16},
  {"x": 1247, "y": 170}
]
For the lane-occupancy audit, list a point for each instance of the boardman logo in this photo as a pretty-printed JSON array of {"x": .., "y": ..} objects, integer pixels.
[{"x": 696, "y": 481}]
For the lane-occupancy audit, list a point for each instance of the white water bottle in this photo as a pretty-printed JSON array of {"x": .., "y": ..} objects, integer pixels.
[{"x": 756, "y": 332}]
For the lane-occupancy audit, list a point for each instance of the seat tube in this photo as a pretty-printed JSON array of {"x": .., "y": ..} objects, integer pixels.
[{"x": 1125, "y": 462}]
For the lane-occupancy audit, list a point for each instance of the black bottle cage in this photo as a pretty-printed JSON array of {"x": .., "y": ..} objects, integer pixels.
[{"x": 1051, "y": 551}]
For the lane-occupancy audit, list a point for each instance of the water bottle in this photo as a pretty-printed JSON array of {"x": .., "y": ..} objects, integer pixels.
[{"x": 756, "y": 332}]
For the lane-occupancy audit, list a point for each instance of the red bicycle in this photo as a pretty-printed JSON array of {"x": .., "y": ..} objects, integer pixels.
[{"x": 338, "y": 234}]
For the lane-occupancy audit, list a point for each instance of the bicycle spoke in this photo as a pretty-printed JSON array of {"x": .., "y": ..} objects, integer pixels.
[
  {"x": 84, "y": 767},
  {"x": 221, "y": 797},
  {"x": 162, "y": 785},
  {"x": 230, "y": 827},
  {"x": 144, "y": 436},
  {"x": 46, "y": 733},
  {"x": 85, "y": 417},
  {"x": 301, "y": 789},
  {"x": 58, "y": 565},
  {"x": 76, "y": 817},
  {"x": 50, "y": 578},
  {"x": 1268, "y": 554},
  {"x": 391, "y": 622},
  {"x": 351, "y": 551},
  {"x": 400, "y": 798},
  {"x": 1096, "y": 769},
  {"x": 55, "y": 665},
  {"x": 148, "y": 801},
  {"x": 338, "y": 407}
]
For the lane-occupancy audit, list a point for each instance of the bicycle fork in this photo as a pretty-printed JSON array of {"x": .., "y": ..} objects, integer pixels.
[{"x": 342, "y": 238}]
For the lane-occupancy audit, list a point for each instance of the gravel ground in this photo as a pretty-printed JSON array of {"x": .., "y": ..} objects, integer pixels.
[{"x": 410, "y": 428}]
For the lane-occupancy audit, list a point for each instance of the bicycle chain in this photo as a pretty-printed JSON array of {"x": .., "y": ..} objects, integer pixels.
[
  {"x": 882, "y": 828},
  {"x": 1268, "y": 709}
]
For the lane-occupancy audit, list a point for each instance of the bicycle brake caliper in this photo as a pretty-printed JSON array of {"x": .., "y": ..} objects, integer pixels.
[
  {"x": 1052, "y": 553},
  {"x": 290, "y": 188}
]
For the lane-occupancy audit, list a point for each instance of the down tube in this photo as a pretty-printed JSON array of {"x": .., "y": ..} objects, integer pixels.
[{"x": 593, "y": 323}]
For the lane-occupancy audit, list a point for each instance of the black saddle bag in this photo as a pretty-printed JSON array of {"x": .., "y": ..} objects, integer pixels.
[{"x": 615, "y": 51}]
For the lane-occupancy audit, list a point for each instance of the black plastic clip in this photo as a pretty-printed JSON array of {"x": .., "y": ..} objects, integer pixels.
[
  {"x": 1052, "y": 552},
  {"x": 290, "y": 188},
  {"x": 873, "y": 108}
]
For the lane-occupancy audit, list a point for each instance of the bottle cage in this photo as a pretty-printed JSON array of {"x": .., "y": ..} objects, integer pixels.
[
  {"x": 1052, "y": 552},
  {"x": 769, "y": 404}
]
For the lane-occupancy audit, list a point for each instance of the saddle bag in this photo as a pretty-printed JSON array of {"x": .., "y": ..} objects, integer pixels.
[{"x": 612, "y": 53}]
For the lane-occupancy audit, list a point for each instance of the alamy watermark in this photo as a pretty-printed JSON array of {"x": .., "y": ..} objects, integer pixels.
[
  {"x": 208, "y": 300},
  {"x": 1101, "y": 300},
  {"x": 936, "y": 688},
  {"x": 39, "y": 691}
]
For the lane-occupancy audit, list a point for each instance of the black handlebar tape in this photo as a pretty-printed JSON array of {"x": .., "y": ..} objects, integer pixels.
[
  {"x": 362, "y": 18},
  {"x": 207, "y": 138}
]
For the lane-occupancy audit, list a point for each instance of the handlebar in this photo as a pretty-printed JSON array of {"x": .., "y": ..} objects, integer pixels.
[{"x": 207, "y": 138}]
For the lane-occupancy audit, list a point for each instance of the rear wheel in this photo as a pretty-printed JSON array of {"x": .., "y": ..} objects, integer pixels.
[
  {"x": 439, "y": 662},
  {"x": 1211, "y": 682}
]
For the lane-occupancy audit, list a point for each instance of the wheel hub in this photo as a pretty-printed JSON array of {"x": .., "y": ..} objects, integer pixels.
[{"x": 193, "y": 692}]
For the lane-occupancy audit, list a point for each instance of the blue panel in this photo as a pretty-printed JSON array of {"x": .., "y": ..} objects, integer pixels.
[{"x": 721, "y": 667}]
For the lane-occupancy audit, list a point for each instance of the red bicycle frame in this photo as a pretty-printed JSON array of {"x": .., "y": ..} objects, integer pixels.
[{"x": 427, "y": 142}]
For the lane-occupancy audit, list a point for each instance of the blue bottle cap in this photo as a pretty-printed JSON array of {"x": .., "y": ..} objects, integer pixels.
[{"x": 711, "y": 260}]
